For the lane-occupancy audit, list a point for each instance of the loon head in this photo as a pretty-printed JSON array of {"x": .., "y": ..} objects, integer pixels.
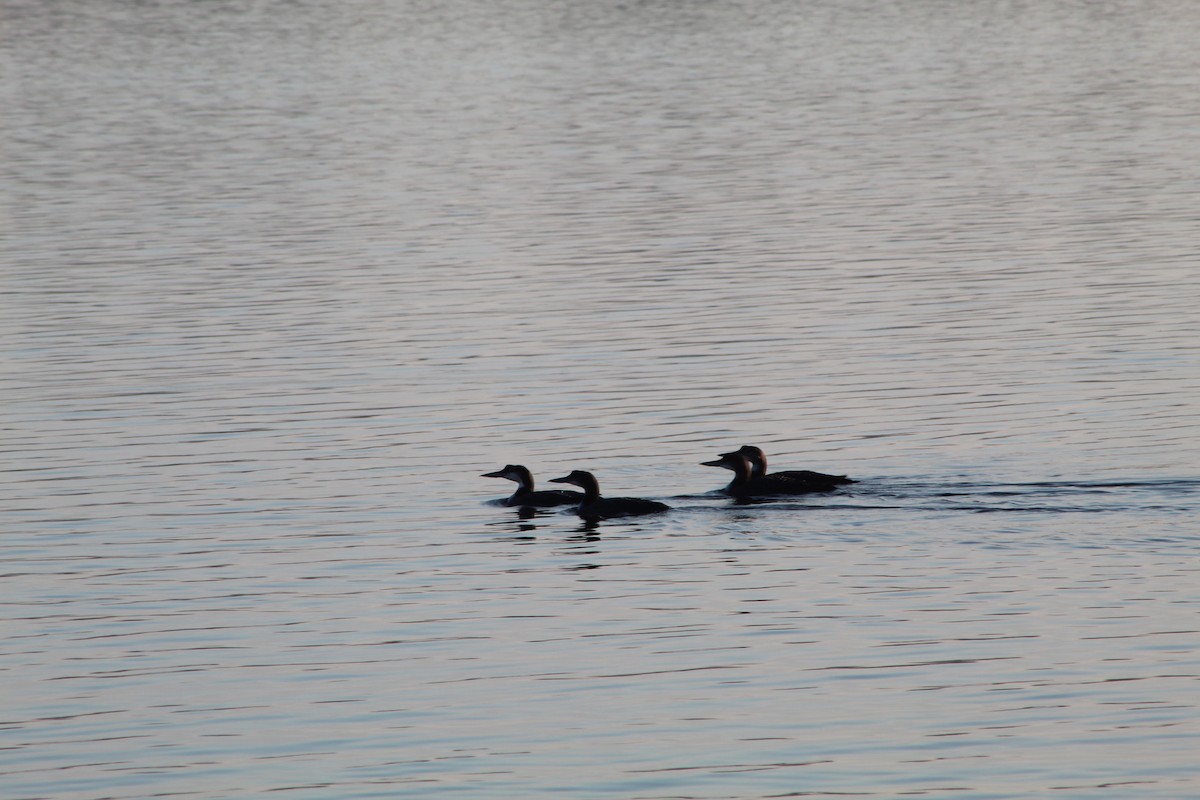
[
  {"x": 513, "y": 472},
  {"x": 584, "y": 480},
  {"x": 755, "y": 455},
  {"x": 734, "y": 462},
  {"x": 751, "y": 452},
  {"x": 730, "y": 461}
]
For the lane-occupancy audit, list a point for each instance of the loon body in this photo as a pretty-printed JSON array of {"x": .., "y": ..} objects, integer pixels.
[
  {"x": 526, "y": 496},
  {"x": 817, "y": 481},
  {"x": 596, "y": 507},
  {"x": 746, "y": 484}
]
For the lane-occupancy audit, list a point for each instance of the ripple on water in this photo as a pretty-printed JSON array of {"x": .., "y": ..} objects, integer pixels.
[{"x": 280, "y": 287}]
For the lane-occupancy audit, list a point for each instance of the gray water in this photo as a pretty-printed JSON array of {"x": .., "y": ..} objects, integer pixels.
[{"x": 281, "y": 280}]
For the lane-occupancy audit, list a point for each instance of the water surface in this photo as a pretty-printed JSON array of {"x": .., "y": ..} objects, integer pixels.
[{"x": 281, "y": 281}]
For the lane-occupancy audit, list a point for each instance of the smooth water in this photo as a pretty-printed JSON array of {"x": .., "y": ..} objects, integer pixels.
[{"x": 281, "y": 280}]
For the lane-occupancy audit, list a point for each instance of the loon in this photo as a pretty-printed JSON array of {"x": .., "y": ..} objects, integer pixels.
[
  {"x": 596, "y": 507},
  {"x": 746, "y": 484},
  {"x": 526, "y": 496},
  {"x": 819, "y": 481}
]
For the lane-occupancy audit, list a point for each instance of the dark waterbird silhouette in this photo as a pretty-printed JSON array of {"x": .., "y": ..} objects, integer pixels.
[
  {"x": 745, "y": 484},
  {"x": 526, "y": 497},
  {"x": 596, "y": 507},
  {"x": 817, "y": 481}
]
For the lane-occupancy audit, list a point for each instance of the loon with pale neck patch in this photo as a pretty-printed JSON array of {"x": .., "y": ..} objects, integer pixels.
[
  {"x": 746, "y": 484},
  {"x": 526, "y": 496},
  {"x": 816, "y": 481},
  {"x": 596, "y": 507}
]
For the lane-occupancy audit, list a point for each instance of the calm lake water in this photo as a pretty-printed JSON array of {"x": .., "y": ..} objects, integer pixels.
[{"x": 281, "y": 280}]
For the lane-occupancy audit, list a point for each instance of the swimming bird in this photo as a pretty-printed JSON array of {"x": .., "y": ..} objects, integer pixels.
[
  {"x": 526, "y": 496},
  {"x": 745, "y": 484},
  {"x": 596, "y": 507},
  {"x": 817, "y": 481}
]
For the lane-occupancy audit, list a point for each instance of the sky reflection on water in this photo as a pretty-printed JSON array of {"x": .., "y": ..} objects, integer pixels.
[{"x": 280, "y": 286}]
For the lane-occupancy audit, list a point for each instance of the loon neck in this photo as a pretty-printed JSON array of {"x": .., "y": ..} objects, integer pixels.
[
  {"x": 591, "y": 490},
  {"x": 741, "y": 473},
  {"x": 523, "y": 478},
  {"x": 757, "y": 461}
]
